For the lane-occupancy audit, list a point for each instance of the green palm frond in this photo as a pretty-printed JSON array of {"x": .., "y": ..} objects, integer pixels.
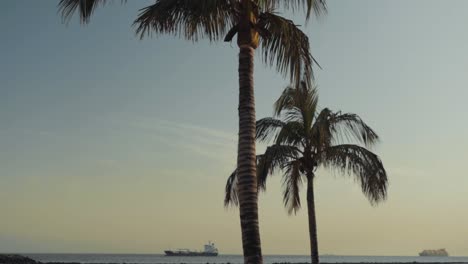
[
  {"x": 292, "y": 182},
  {"x": 352, "y": 127},
  {"x": 285, "y": 46},
  {"x": 191, "y": 19},
  {"x": 306, "y": 6},
  {"x": 363, "y": 164}
]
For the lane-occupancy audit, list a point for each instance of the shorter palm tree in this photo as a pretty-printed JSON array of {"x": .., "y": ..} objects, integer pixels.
[{"x": 305, "y": 139}]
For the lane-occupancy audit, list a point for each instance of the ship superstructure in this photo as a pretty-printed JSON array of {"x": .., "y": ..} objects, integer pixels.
[
  {"x": 209, "y": 250},
  {"x": 434, "y": 253}
]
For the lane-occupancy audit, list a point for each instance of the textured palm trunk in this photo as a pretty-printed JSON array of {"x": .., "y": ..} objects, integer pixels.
[
  {"x": 246, "y": 163},
  {"x": 312, "y": 222},
  {"x": 247, "y": 41}
]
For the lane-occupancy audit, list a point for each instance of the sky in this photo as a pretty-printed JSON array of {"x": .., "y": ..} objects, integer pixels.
[{"x": 113, "y": 144}]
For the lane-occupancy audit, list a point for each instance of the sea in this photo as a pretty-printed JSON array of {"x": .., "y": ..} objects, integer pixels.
[{"x": 232, "y": 259}]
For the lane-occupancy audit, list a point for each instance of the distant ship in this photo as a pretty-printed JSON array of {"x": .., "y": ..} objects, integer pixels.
[
  {"x": 434, "y": 253},
  {"x": 209, "y": 251}
]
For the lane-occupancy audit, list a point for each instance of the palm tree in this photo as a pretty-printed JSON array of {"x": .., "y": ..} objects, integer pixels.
[
  {"x": 305, "y": 139},
  {"x": 256, "y": 23}
]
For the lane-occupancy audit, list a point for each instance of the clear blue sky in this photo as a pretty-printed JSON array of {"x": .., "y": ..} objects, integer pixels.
[{"x": 109, "y": 143}]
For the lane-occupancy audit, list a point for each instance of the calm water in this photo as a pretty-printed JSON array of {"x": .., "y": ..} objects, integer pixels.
[{"x": 233, "y": 259}]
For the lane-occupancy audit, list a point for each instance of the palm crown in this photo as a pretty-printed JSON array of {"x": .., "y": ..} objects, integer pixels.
[
  {"x": 282, "y": 42},
  {"x": 305, "y": 139}
]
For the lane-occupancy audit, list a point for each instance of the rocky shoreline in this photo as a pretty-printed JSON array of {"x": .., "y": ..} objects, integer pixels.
[
  {"x": 18, "y": 259},
  {"x": 15, "y": 259}
]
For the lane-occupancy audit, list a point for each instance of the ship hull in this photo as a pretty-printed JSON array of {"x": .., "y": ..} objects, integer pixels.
[
  {"x": 171, "y": 253},
  {"x": 434, "y": 253}
]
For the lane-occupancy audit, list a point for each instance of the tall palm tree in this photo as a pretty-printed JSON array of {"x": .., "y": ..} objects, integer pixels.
[
  {"x": 305, "y": 139},
  {"x": 256, "y": 23}
]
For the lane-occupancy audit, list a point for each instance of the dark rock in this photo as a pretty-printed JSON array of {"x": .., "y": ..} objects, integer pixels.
[{"x": 16, "y": 259}]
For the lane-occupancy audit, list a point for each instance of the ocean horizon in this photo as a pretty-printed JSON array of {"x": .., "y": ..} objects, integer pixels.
[{"x": 233, "y": 259}]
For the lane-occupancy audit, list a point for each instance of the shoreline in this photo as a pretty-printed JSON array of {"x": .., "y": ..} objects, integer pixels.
[
  {"x": 20, "y": 259},
  {"x": 272, "y": 263}
]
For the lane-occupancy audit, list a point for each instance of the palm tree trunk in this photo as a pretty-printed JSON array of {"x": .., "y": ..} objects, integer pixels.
[
  {"x": 246, "y": 163},
  {"x": 312, "y": 221}
]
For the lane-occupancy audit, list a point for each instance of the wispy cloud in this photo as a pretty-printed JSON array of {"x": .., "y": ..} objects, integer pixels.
[
  {"x": 201, "y": 130},
  {"x": 202, "y": 135},
  {"x": 212, "y": 143}
]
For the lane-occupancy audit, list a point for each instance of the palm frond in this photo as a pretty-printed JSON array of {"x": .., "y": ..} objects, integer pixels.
[
  {"x": 352, "y": 126},
  {"x": 308, "y": 98},
  {"x": 231, "y": 196},
  {"x": 298, "y": 103},
  {"x": 363, "y": 164},
  {"x": 274, "y": 158},
  {"x": 84, "y": 7},
  {"x": 191, "y": 19},
  {"x": 266, "y": 128},
  {"x": 287, "y": 105},
  {"x": 285, "y": 46},
  {"x": 292, "y": 182},
  {"x": 286, "y": 100},
  {"x": 284, "y": 133},
  {"x": 291, "y": 134},
  {"x": 306, "y": 6},
  {"x": 321, "y": 132}
]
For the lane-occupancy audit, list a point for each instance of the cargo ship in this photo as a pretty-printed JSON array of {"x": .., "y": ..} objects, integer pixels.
[
  {"x": 209, "y": 251},
  {"x": 434, "y": 253}
]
